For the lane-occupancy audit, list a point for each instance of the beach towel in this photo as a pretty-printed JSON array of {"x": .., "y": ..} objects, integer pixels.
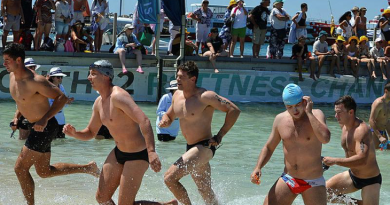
[{"x": 294, "y": 32}]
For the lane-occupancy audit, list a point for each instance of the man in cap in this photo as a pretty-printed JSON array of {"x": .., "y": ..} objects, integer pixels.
[
  {"x": 320, "y": 54},
  {"x": 194, "y": 106},
  {"x": 12, "y": 13},
  {"x": 167, "y": 133},
  {"x": 127, "y": 42},
  {"x": 31, "y": 92},
  {"x": 259, "y": 18},
  {"x": 363, "y": 173},
  {"x": 214, "y": 48},
  {"x": 127, "y": 163},
  {"x": 378, "y": 53},
  {"x": 302, "y": 130}
]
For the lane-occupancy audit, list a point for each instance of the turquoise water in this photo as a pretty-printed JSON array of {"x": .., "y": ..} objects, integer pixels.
[{"x": 231, "y": 166}]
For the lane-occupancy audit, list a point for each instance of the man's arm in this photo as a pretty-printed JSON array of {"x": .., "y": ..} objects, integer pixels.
[
  {"x": 317, "y": 121},
  {"x": 3, "y": 10},
  {"x": 124, "y": 102},
  {"x": 224, "y": 105},
  {"x": 375, "y": 109},
  {"x": 90, "y": 131}
]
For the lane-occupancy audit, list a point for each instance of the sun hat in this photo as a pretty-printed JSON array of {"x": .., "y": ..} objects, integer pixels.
[
  {"x": 232, "y": 2},
  {"x": 363, "y": 38},
  {"x": 378, "y": 40},
  {"x": 322, "y": 33},
  {"x": 172, "y": 85},
  {"x": 386, "y": 11},
  {"x": 104, "y": 67},
  {"x": 128, "y": 26},
  {"x": 30, "y": 62},
  {"x": 340, "y": 38},
  {"x": 205, "y": 1},
  {"x": 56, "y": 71},
  {"x": 353, "y": 38},
  {"x": 292, "y": 94}
]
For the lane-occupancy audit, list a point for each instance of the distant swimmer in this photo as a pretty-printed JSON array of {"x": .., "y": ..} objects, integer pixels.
[
  {"x": 302, "y": 131},
  {"x": 379, "y": 119},
  {"x": 194, "y": 106},
  {"x": 363, "y": 173},
  {"x": 127, "y": 163},
  {"x": 31, "y": 92}
]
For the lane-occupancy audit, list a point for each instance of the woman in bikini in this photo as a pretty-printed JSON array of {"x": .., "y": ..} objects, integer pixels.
[
  {"x": 361, "y": 26},
  {"x": 364, "y": 55},
  {"x": 352, "y": 55},
  {"x": 345, "y": 24}
]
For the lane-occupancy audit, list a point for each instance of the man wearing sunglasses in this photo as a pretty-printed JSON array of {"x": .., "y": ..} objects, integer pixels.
[{"x": 214, "y": 48}]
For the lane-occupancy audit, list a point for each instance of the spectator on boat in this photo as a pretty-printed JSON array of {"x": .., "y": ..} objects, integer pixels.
[
  {"x": 127, "y": 42},
  {"x": 78, "y": 35},
  {"x": 62, "y": 19},
  {"x": 352, "y": 55},
  {"x": 378, "y": 54},
  {"x": 30, "y": 64},
  {"x": 203, "y": 17},
  {"x": 173, "y": 31},
  {"x": 80, "y": 10},
  {"x": 189, "y": 46},
  {"x": 298, "y": 25},
  {"x": 355, "y": 12},
  {"x": 44, "y": 20},
  {"x": 320, "y": 54},
  {"x": 166, "y": 134},
  {"x": 279, "y": 18},
  {"x": 301, "y": 54},
  {"x": 55, "y": 77},
  {"x": 345, "y": 24},
  {"x": 365, "y": 56},
  {"x": 384, "y": 25},
  {"x": 259, "y": 17},
  {"x": 226, "y": 32},
  {"x": 361, "y": 23},
  {"x": 214, "y": 48},
  {"x": 240, "y": 14},
  {"x": 13, "y": 16},
  {"x": 100, "y": 9},
  {"x": 340, "y": 52}
]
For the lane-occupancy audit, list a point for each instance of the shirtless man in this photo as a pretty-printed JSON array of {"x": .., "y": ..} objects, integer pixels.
[
  {"x": 12, "y": 13},
  {"x": 31, "y": 92},
  {"x": 127, "y": 163},
  {"x": 194, "y": 106},
  {"x": 80, "y": 7},
  {"x": 302, "y": 131},
  {"x": 379, "y": 119},
  {"x": 360, "y": 158}
]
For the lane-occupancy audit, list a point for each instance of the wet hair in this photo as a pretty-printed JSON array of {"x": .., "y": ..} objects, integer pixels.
[
  {"x": 15, "y": 50},
  {"x": 303, "y": 5},
  {"x": 387, "y": 86},
  {"x": 344, "y": 16},
  {"x": 348, "y": 102},
  {"x": 191, "y": 68}
]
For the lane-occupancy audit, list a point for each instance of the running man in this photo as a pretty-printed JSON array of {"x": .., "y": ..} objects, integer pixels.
[
  {"x": 31, "y": 92},
  {"x": 194, "y": 106},
  {"x": 360, "y": 158},
  {"x": 302, "y": 131},
  {"x": 379, "y": 119},
  {"x": 127, "y": 163}
]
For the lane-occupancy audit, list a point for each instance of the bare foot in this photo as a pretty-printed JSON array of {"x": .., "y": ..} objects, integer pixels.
[
  {"x": 384, "y": 77},
  {"x": 93, "y": 169},
  {"x": 171, "y": 202},
  {"x": 373, "y": 76},
  {"x": 216, "y": 71},
  {"x": 124, "y": 70}
]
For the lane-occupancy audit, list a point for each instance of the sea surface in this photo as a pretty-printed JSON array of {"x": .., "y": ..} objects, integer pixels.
[{"x": 231, "y": 167}]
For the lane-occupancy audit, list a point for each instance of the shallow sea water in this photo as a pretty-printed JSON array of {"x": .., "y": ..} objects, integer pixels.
[{"x": 231, "y": 167}]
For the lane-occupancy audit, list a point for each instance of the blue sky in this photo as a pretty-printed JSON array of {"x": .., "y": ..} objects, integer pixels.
[{"x": 318, "y": 9}]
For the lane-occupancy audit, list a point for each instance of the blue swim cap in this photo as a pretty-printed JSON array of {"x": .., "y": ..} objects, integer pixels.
[{"x": 292, "y": 94}]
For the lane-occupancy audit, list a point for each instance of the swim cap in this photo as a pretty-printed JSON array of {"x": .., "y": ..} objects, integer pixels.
[
  {"x": 104, "y": 67},
  {"x": 292, "y": 94}
]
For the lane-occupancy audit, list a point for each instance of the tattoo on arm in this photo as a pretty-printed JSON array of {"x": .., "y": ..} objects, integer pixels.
[
  {"x": 221, "y": 100},
  {"x": 362, "y": 146}
]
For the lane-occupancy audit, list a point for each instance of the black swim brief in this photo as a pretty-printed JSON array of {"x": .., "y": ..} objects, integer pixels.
[
  {"x": 41, "y": 141},
  {"x": 360, "y": 183},
  {"x": 204, "y": 143},
  {"x": 122, "y": 157},
  {"x": 165, "y": 137}
]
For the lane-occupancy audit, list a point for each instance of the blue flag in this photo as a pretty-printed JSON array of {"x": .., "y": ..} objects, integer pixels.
[{"x": 148, "y": 11}]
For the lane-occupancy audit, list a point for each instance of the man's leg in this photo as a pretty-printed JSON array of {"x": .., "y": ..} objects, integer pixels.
[
  {"x": 313, "y": 62},
  {"x": 202, "y": 179},
  {"x": 338, "y": 186},
  {"x": 242, "y": 45},
  {"x": 122, "y": 57},
  {"x": 192, "y": 159},
  {"x": 370, "y": 194},
  {"x": 4, "y": 38},
  {"x": 300, "y": 62},
  {"x": 333, "y": 61},
  {"x": 212, "y": 60},
  {"x": 138, "y": 56},
  {"x": 321, "y": 60},
  {"x": 233, "y": 45},
  {"x": 23, "y": 134},
  {"x": 279, "y": 194},
  {"x": 315, "y": 196}
]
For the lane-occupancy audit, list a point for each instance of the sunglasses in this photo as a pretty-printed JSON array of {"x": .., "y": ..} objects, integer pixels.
[{"x": 59, "y": 77}]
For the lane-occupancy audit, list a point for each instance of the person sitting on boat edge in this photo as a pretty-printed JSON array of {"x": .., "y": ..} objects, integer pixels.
[
  {"x": 321, "y": 53},
  {"x": 127, "y": 42},
  {"x": 352, "y": 55},
  {"x": 300, "y": 53},
  {"x": 365, "y": 56},
  {"x": 189, "y": 46},
  {"x": 214, "y": 48},
  {"x": 78, "y": 33},
  {"x": 339, "y": 51},
  {"x": 378, "y": 54}
]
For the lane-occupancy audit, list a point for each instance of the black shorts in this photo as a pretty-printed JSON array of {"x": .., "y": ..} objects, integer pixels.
[
  {"x": 122, "y": 157},
  {"x": 41, "y": 141},
  {"x": 204, "y": 143},
  {"x": 104, "y": 132},
  {"x": 165, "y": 137},
  {"x": 360, "y": 183}
]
